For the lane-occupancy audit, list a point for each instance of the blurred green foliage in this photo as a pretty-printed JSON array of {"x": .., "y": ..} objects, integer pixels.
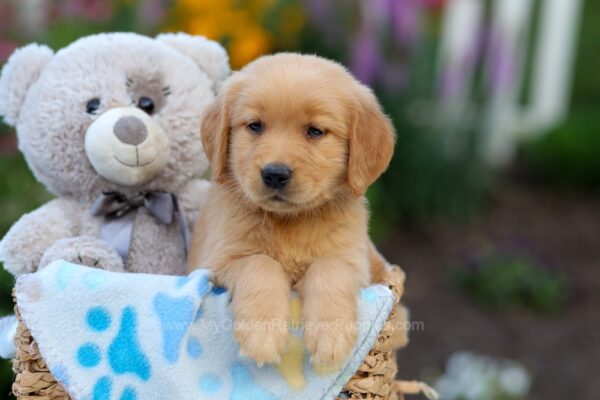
[
  {"x": 507, "y": 281},
  {"x": 569, "y": 155},
  {"x": 19, "y": 193},
  {"x": 424, "y": 183}
]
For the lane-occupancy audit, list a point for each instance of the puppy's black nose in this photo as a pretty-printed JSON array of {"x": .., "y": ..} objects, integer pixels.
[{"x": 276, "y": 176}]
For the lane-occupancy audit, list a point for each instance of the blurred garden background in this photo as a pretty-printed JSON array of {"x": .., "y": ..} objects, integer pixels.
[{"x": 492, "y": 201}]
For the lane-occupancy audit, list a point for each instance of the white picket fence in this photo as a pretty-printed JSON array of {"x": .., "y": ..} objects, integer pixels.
[{"x": 508, "y": 120}]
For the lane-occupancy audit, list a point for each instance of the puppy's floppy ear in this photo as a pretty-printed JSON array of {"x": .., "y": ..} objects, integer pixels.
[
  {"x": 371, "y": 142},
  {"x": 215, "y": 131},
  {"x": 22, "y": 70}
]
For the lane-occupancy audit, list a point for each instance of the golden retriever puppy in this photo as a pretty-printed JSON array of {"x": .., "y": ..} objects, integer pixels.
[{"x": 294, "y": 142}]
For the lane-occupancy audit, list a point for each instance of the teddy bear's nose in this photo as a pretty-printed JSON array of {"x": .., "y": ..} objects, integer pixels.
[{"x": 130, "y": 130}]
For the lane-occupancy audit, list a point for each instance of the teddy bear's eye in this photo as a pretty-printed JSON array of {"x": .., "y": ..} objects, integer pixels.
[
  {"x": 146, "y": 104},
  {"x": 92, "y": 106}
]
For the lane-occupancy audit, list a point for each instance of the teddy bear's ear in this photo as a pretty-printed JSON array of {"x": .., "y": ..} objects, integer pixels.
[
  {"x": 209, "y": 55},
  {"x": 20, "y": 72}
]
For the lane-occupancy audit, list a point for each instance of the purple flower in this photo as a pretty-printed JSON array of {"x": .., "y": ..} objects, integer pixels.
[
  {"x": 400, "y": 19},
  {"x": 453, "y": 77},
  {"x": 320, "y": 11},
  {"x": 501, "y": 62},
  {"x": 152, "y": 12},
  {"x": 406, "y": 17},
  {"x": 323, "y": 14},
  {"x": 365, "y": 56}
]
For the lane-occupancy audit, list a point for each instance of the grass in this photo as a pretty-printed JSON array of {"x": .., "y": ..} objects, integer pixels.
[{"x": 505, "y": 282}]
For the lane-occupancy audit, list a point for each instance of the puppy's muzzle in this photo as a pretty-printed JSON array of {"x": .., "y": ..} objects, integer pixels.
[{"x": 276, "y": 176}]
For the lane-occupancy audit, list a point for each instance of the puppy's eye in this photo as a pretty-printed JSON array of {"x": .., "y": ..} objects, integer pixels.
[
  {"x": 256, "y": 127},
  {"x": 146, "y": 104},
  {"x": 92, "y": 106},
  {"x": 314, "y": 132}
]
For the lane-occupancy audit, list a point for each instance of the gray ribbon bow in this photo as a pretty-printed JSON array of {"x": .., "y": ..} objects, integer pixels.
[{"x": 119, "y": 214}]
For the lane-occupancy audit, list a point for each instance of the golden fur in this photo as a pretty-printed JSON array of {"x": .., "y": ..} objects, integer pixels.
[{"x": 310, "y": 236}]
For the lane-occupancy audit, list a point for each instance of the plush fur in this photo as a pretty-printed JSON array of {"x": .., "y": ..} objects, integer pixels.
[
  {"x": 44, "y": 95},
  {"x": 310, "y": 236}
]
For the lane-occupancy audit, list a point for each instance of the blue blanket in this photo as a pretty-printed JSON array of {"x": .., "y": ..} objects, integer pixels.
[{"x": 108, "y": 335}]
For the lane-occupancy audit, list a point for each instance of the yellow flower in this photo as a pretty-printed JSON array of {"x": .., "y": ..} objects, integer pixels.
[
  {"x": 248, "y": 46},
  {"x": 239, "y": 24}
]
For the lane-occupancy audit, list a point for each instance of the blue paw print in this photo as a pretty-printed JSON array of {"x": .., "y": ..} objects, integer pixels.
[
  {"x": 103, "y": 388},
  {"x": 124, "y": 355},
  {"x": 218, "y": 290},
  {"x": 210, "y": 383},
  {"x": 65, "y": 274},
  {"x": 62, "y": 376},
  {"x": 369, "y": 294},
  {"x": 244, "y": 387},
  {"x": 181, "y": 281},
  {"x": 88, "y": 355},
  {"x": 98, "y": 319},
  {"x": 176, "y": 315},
  {"x": 204, "y": 285},
  {"x": 93, "y": 278},
  {"x": 194, "y": 347},
  {"x": 129, "y": 394}
]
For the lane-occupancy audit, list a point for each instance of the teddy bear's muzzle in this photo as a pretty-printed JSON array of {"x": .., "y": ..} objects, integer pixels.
[
  {"x": 126, "y": 146},
  {"x": 131, "y": 130}
]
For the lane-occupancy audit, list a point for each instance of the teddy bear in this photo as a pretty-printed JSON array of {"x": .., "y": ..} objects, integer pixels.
[{"x": 110, "y": 125}]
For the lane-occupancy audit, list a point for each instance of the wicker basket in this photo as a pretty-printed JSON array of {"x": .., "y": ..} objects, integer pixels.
[{"x": 374, "y": 379}]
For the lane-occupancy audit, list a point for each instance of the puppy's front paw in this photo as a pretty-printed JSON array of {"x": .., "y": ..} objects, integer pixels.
[
  {"x": 261, "y": 307},
  {"x": 262, "y": 337},
  {"x": 262, "y": 340},
  {"x": 330, "y": 333}
]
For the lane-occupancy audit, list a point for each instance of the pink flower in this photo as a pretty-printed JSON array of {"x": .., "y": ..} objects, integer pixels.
[
  {"x": 8, "y": 143},
  {"x": 6, "y": 49},
  {"x": 435, "y": 4},
  {"x": 95, "y": 10}
]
